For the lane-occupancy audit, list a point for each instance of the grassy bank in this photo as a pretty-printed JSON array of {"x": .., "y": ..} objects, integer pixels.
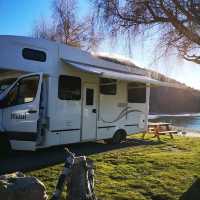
[{"x": 151, "y": 171}]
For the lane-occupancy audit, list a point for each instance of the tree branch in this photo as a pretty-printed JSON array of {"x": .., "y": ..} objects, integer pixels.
[{"x": 179, "y": 26}]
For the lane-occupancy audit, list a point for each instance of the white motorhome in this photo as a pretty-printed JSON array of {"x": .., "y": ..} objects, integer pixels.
[{"x": 53, "y": 94}]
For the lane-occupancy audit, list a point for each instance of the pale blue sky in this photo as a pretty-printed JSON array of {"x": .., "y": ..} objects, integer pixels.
[{"x": 17, "y": 17}]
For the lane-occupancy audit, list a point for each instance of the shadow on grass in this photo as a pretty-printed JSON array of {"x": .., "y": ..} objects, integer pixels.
[
  {"x": 99, "y": 147},
  {"x": 27, "y": 161},
  {"x": 193, "y": 193}
]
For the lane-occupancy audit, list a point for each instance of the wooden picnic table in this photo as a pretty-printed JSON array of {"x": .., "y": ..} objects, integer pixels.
[{"x": 160, "y": 128}]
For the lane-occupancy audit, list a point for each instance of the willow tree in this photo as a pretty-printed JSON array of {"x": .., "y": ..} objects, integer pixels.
[{"x": 177, "y": 22}]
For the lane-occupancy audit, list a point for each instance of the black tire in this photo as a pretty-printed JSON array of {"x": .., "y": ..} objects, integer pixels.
[
  {"x": 5, "y": 147},
  {"x": 118, "y": 137}
]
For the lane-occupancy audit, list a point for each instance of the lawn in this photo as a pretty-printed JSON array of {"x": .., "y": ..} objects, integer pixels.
[{"x": 154, "y": 171}]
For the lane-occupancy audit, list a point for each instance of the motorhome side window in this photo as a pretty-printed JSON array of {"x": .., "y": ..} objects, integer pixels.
[
  {"x": 32, "y": 54},
  {"x": 136, "y": 93},
  {"x": 69, "y": 88},
  {"x": 23, "y": 92},
  {"x": 108, "y": 86}
]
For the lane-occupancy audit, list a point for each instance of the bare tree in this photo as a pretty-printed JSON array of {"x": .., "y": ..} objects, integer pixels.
[
  {"x": 177, "y": 22},
  {"x": 67, "y": 28},
  {"x": 44, "y": 31}
]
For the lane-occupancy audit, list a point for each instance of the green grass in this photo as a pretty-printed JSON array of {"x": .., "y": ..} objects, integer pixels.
[{"x": 162, "y": 171}]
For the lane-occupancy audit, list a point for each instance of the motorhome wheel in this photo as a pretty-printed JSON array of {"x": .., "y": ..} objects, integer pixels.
[{"x": 119, "y": 136}]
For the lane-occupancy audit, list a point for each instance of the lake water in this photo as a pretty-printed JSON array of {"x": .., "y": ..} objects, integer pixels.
[{"x": 190, "y": 121}]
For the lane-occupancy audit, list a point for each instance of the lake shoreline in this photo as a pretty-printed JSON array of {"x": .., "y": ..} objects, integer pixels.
[
  {"x": 186, "y": 132},
  {"x": 156, "y": 116}
]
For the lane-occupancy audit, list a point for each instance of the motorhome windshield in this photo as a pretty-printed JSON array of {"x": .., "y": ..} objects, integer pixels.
[{"x": 5, "y": 83}]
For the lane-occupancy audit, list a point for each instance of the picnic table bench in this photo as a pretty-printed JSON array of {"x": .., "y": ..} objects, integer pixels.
[{"x": 160, "y": 128}]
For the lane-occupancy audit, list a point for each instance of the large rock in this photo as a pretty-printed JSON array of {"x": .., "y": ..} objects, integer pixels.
[{"x": 17, "y": 186}]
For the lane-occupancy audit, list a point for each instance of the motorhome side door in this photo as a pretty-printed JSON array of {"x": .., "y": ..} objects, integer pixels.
[
  {"x": 89, "y": 122},
  {"x": 22, "y": 107}
]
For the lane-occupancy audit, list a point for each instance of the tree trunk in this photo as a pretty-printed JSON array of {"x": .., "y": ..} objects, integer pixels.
[
  {"x": 81, "y": 183},
  {"x": 78, "y": 175}
]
